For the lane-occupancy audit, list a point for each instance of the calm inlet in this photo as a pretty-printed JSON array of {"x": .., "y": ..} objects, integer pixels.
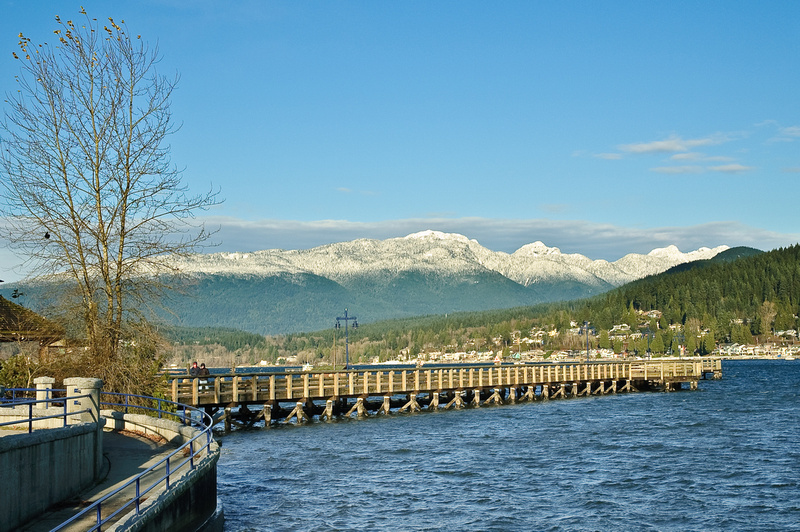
[{"x": 725, "y": 457}]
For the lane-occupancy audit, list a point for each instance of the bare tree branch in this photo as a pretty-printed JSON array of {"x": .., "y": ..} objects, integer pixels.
[{"x": 89, "y": 187}]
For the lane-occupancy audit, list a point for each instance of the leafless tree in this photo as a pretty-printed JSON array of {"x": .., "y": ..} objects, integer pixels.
[{"x": 90, "y": 191}]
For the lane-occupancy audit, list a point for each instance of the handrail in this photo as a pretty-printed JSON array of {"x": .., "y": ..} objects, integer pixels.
[
  {"x": 30, "y": 402},
  {"x": 204, "y": 423},
  {"x": 18, "y": 394}
]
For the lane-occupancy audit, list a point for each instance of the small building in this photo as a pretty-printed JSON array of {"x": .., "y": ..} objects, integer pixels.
[{"x": 22, "y": 325}]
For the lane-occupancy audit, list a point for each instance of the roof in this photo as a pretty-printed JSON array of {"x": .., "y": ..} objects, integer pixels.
[{"x": 18, "y": 323}]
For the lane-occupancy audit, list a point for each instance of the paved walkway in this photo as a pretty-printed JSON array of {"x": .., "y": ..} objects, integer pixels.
[{"x": 126, "y": 455}]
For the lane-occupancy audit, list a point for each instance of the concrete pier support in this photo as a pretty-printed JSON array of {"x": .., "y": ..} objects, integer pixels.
[
  {"x": 298, "y": 412},
  {"x": 434, "y": 404},
  {"x": 545, "y": 392},
  {"x": 561, "y": 392},
  {"x": 476, "y": 397},
  {"x": 495, "y": 398},
  {"x": 327, "y": 412},
  {"x": 457, "y": 401},
  {"x": 575, "y": 389},
  {"x": 266, "y": 414},
  {"x": 412, "y": 405},
  {"x": 386, "y": 406},
  {"x": 358, "y": 408},
  {"x": 228, "y": 424},
  {"x": 530, "y": 393},
  {"x": 512, "y": 395}
]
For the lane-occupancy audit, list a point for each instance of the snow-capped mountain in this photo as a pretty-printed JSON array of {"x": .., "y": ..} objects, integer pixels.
[
  {"x": 282, "y": 291},
  {"x": 442, "y": 254}
]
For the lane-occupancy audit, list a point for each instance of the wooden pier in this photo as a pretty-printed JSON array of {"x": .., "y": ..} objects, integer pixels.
[{"x": 303, "y": 395}]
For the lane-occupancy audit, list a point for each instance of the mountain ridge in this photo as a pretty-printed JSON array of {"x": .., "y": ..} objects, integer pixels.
[
  {"x": 445, "y": 253},
  {"x": 285, "y": 291},
  {"x": 430, "y": 272}
]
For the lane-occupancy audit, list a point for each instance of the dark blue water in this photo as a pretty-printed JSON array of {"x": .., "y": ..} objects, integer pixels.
[{"x": 726, "y": 457}]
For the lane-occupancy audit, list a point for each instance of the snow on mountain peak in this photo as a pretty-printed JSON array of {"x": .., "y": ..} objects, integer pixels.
[
  {"x": 669, "y": 251},
  {"x": 537, "y": 248},
  {"x": 445, "y": 254},
  {"x": 437, "y": 235}
]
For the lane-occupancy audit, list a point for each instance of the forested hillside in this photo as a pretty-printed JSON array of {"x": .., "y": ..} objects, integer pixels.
[{"x": 720, "y": 294}]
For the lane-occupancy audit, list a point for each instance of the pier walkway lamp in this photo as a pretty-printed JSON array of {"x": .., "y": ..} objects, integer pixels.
[{"x": 338, "y": 325}]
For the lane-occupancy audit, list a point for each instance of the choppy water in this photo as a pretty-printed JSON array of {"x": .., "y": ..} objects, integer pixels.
[{"x": 726, "y": 457}]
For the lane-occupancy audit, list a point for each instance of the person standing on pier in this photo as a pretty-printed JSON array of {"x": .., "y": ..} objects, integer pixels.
[{"x": 204, "y": 375}]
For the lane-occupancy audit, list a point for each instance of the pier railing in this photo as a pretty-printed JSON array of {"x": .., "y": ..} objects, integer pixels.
[{"x": 320, "y": 385}]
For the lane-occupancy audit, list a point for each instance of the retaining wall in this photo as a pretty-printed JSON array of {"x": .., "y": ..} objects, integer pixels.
[{"x": 40, "y": 469}]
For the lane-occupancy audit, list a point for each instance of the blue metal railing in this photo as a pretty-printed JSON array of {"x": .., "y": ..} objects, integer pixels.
[
  {"x": 17, "y": 394},
  {"x": 174, "y": 464},
  {"x": 17, "y": 400}
]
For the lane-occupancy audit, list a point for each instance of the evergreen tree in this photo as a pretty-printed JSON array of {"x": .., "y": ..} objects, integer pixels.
[
  {"x": 691, "y": 344},
  {"x": 604, "y": 340},
  {"x": 657, "y": 345}
]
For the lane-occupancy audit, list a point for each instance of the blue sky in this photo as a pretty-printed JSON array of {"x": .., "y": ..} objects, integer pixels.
[{"x": 601, "y": 128}]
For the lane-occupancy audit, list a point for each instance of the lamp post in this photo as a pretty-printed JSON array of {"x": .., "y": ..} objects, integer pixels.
[{"x": 338, "y": 325}]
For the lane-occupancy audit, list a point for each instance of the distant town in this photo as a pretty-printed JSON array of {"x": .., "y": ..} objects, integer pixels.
[{"x": 648, "y": 340}]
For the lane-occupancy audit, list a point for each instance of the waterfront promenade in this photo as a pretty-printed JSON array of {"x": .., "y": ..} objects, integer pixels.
[
  {"x": 77, "y": 467},
  {"x": 126, "y": 455}
]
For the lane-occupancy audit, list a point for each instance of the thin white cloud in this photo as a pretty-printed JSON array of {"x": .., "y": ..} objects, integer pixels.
[
  {"x": 792, "y": 170},
  {"x": 678, "y": 169},
  {"x": 697, "y": 156},
  {"x": 608, "y": 156},
  {"x": 672, "y": 144},
  {"x": 791, "y": 131},
  {"x": 731, "y": 168},
  {"x": 783, "y": 134}
]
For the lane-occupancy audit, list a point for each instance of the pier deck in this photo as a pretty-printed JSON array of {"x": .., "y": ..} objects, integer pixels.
[{"x": 348, "y": 391}]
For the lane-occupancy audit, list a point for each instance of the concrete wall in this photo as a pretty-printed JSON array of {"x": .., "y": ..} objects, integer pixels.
[
  {"x": 191, "y": 501},
  {"x": 20, "y": 413},
  {"x": 43, "y": 468}
]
